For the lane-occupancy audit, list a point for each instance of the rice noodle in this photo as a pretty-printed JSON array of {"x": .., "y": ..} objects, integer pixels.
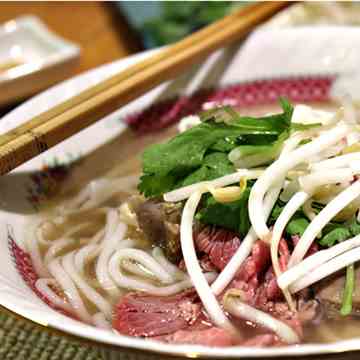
[
  {"x": 124, "y": 244},
  {"x": 328, "y": 268},
  {"x": 314, "y": 261},
  {"x": 114, "y": 233},
  {"x": 100, "y": 321},
  {"x": 193, "y": 268},
  {"x": 147, "y": 262},
  {"x": 137, "y": 269},
  {"x": 170, "y": 268},
  {"x": 97, "y": 192},
  {"x": 43, "y": 286},
  {"x": 40, "y": 229},
  {"x": 324, "y": 216},
  {"x": 85, "y": 254},
  {"x": 133, "y": 283},
  {"x": 278, "y": 169},
  {"x": 93, "y": 296},
  {"x": 236, "y": 307},
  {"x": 70, "y": 290},
  {"x": 56, "y": 247},
  {"x": 231, "y": 268},
  {"x": 184, "y": 192},
  {"x": 97, "y": 237}
]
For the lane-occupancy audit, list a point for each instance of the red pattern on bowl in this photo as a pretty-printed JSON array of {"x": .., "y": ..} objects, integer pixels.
[{"x": 163, "y": 114}]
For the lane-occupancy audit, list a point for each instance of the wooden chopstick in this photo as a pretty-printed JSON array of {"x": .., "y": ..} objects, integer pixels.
[{"x": 73, "y": 115}]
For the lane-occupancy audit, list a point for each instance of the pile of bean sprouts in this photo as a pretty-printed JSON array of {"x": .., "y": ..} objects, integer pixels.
[{"x": 325, "y": 155}]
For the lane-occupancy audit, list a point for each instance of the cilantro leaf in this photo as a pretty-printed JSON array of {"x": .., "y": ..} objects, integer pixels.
[
  {"x": 338, "y": 234},
  {"x": 153, "y": 185},
  {"x": 214, "y": 165},
  {"x": 232, "y": 216},
  {"x": 297, "y": 226},
  {"x": 167, "y": 165},
  {"x": 225, "y": 145},
  {"x": 353, "y": 226}
]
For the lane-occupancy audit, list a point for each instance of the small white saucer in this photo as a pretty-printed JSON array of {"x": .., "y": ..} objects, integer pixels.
[{"x": 31, "y": 58}]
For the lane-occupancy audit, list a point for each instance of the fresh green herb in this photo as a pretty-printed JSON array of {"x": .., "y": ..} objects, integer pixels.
[
  {"x": 233, "y": 216},
  {"x": 346, "y": 306},
  {"x": 336, "y": 232},
  {"x": 214, "y": 165},
  {"x": 153, "y": 185},
  {"x": 297, "y": 226},
  {"x": 245, "y": 156},
  {"x": 339, "y": 234},
  {"x": 167, "y": 166},
  {"x": 226, "y": 145},
  {"x": 353, "y": 226}
]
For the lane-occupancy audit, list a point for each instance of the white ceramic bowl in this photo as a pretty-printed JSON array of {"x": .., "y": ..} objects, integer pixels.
[{"x": 19, "y": 193}]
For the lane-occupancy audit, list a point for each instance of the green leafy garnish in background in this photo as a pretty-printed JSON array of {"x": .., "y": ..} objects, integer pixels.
[{"x": 179, "y": 18}]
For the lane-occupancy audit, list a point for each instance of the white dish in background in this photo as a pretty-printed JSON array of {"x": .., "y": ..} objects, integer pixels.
[{"x": 36, "y": 57}]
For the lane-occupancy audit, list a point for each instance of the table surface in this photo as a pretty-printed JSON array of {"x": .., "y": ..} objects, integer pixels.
[{"x": 105, "y": 38}]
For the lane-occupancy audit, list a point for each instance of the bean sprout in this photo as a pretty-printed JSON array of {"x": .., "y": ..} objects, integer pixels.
[
  {"x": 326, "y": 269},
  {"x": 278, "y": 169},
  {"x": 236, "y": 307},
  {"x": 325, "y": 215},
  {"x": 312, "y": 262},
  {"x": 184, "y": 192}
]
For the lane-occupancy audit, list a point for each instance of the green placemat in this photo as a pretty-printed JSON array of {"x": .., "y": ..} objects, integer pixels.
[{"x": 20, "y": 340}]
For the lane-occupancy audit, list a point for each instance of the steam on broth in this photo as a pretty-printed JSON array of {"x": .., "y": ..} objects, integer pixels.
[{"x": 217, "y": 242}]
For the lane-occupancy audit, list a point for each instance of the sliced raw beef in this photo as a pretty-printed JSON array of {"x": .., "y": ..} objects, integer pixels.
[
  {"x": 143, "y": 315},
  {"x": 219, "y": 244}
]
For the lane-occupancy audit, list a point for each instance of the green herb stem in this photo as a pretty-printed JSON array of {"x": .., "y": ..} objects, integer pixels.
[{"x": 346, "y": 306}]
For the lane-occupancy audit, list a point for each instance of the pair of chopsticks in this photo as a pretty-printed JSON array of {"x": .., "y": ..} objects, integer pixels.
[{"x": 66, "y": 119}]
